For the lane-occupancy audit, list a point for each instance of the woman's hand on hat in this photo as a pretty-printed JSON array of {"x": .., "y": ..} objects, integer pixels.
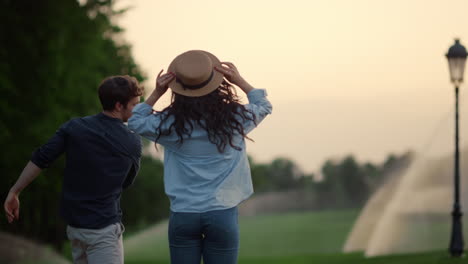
[
  {"x": 162, "y": 82},
  {"x": 230, "y": 72}
]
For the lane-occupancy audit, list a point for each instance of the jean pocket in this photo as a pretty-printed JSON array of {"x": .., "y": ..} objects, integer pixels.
[{"x": 184, "y": 226}]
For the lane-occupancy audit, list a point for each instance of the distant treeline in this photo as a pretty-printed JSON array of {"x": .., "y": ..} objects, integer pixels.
[{"x": 343, "y": 183}]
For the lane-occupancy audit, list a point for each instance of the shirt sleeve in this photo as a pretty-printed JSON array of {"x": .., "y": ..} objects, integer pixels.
[
  {"x": 130, "y": 179},
  {"x": 144, "y": 122},
  {"x": 45, "y": 155},
  {"x": 259, "y": 106}
]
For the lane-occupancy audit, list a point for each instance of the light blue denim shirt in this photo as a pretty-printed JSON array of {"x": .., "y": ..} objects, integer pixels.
[{"x": 197, "y": 177}]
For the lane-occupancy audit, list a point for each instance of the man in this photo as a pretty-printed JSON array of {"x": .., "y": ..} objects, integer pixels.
[{"x": 102, "y": 159}]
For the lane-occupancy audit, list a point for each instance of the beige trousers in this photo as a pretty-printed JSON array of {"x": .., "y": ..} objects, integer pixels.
[{"x": 97, "y": 246}]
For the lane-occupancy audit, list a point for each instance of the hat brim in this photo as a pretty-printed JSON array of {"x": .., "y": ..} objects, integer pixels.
[{"x": 208, "y": 88}]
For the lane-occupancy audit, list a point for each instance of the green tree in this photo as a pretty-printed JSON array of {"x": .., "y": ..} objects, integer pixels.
[
  {"x": 331, "y": 189},
  {"x": 278, "y": 175},
  {"x": 283, "y": 174},
  {"x": 53, "y": 55},
  {"x": 344, "y": 184},
  {"x": 260, "y": 179},
  {"x": 355, "y": 182},
  {"x": 146, "y": 202}
]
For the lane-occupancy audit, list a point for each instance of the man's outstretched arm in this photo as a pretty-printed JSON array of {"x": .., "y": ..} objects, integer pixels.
[
  {"x": 12, "y": 204},
  {"x": 41, "y": 159}
]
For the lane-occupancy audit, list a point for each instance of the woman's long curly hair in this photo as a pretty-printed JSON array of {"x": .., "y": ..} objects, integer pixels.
[{"x": 216, "y": 112}]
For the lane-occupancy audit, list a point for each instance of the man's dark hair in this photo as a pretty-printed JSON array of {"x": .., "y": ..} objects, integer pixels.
[{"x": 118, "y": 89}]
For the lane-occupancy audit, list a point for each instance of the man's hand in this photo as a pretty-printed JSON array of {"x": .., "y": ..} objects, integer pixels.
[{"x": 12, "y": 206}]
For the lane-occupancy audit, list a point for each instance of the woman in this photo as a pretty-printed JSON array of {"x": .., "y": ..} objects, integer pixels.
[{"x": 206, "y": 171}]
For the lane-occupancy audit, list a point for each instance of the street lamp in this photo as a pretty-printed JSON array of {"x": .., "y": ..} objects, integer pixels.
[{"x": 456, "y": 56}]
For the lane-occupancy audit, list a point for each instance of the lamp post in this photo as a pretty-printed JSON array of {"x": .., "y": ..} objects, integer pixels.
[{"x": 456, "y": 56}]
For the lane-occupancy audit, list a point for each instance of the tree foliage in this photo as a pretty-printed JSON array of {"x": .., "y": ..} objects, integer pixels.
[
  {"x": 344, "y": 183},
  {"x": 53, "y": 55},
  {"x": 145, "y": 202}
]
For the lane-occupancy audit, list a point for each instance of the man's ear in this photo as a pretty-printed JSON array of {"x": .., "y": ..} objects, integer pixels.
[{"x": 118, "y": 107}]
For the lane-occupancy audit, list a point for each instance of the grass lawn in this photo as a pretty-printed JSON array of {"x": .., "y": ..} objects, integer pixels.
[
  {"x": 288, "y": 234},
  {"x": 355, "y": 258},
  {"x": 295, "y": 233},
  {"x": 289, "y": 238}
]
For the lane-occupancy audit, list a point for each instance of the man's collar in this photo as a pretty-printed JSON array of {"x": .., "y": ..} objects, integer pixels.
[{"x": 107, "y": 117}]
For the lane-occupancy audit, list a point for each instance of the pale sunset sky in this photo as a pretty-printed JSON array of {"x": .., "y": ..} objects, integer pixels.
[{"x": 361, "y": 77}]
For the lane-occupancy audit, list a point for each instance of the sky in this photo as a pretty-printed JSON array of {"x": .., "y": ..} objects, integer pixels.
[{"x": 360, "y": 77}]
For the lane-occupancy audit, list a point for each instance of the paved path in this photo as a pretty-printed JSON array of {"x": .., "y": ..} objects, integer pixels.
[{"x": 14, "y": 249}]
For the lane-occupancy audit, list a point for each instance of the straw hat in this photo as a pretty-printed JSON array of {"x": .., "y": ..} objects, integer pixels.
[{"x": 195, "y": 73}]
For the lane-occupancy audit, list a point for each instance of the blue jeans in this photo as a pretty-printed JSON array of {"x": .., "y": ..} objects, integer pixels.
[{"x": 213, "y": 235}]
